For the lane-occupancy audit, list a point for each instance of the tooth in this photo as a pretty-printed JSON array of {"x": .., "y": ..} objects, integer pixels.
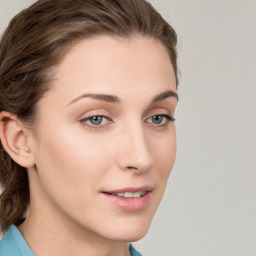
[
  {"x": 137, "y": 194},
  {"x": 128, "y": 194}
]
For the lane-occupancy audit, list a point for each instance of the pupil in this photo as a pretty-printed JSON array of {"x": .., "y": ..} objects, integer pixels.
[
  {"x": 96, "y": 120},
  {"x": 157, "y": 119}
]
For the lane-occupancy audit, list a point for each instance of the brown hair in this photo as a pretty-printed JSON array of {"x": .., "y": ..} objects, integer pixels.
[{"x": 34, "y": 43}]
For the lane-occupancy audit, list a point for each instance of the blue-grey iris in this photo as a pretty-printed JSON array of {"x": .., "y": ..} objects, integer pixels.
[
  {"x": 157, "y": 119},
  {"x": 96, "y": 120}
]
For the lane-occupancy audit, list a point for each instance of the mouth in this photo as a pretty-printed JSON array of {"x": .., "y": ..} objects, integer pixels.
[
  {"x": 129, "y": 194},
  {"x": 130, "y": 199}
]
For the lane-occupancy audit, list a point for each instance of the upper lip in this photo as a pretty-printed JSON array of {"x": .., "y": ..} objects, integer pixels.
[{"x": 130, "y": 189}]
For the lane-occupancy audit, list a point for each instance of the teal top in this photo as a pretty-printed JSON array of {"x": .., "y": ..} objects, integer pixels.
[{"x": 13, "y": 244}]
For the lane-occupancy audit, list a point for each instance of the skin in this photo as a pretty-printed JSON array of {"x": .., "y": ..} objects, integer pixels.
[{"x": 72, "y": 161}]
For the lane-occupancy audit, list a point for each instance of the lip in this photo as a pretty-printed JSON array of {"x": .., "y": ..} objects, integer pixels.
[
  {"x": 130, "y": 189},
  {"x": 129, "y": 204}
]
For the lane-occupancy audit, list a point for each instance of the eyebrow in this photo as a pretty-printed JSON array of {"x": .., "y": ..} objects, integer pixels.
[
  {"x": 114, "y": 99},
  {"x": 165, "y": 95},
  {"x": 101, "y": 97}
]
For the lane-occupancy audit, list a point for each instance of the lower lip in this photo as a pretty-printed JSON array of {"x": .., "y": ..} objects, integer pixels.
[{"x": 130, "y": 204}]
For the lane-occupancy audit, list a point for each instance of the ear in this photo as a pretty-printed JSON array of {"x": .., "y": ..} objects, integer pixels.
[{"x": 14, "y": 138}]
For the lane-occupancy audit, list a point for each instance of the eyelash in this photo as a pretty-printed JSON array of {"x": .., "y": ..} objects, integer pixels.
[
  {"x": 168, "y": 117},
  {"x": 100, "y": 126}
]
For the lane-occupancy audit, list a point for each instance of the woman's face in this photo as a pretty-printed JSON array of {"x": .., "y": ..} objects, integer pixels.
[{"x": 105, "y": 142}]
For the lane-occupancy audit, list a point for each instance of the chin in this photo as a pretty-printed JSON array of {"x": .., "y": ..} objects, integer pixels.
[
  {"x": 130, "y": 232},
  {"x": 130, "y": 237},
  {"x": 136, "y": 237}
]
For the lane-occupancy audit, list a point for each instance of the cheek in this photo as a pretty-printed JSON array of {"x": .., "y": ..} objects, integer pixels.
[
  {"x": 69, "y": 165},
  {"x": 164, "y": 155}
]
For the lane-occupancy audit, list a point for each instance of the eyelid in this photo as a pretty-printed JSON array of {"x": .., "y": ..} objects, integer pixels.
[
  {"x": 95, "y": 110},
  {"x": 167, "y": 116},
  {"x": 91, "y": 116},
  {"x": 92, "y": 111},
  {"x": 161, "y": 111},
  {"x": 95, "y": 127}
]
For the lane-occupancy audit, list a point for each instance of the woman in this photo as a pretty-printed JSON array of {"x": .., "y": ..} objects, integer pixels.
[{"x": 88, "y": 94}]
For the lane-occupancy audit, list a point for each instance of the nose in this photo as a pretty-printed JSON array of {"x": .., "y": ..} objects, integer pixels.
[{"x": 134, "y": 150}]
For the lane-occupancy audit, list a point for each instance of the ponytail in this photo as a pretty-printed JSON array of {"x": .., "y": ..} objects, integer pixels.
[{"x": 14, "y": 199}]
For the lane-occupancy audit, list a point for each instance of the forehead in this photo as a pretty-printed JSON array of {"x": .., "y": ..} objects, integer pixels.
[{"x": 114, "y": 65}]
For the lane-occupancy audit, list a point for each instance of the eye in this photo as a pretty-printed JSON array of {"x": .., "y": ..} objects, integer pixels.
[
  {"x": 94, "y": 120},
  {"x": 160, "y": 119}
]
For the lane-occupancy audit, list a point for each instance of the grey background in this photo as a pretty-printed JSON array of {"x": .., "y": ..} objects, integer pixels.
[{"x": 209, "y": 207}]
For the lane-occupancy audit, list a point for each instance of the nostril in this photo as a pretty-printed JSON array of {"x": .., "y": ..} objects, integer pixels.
[{"x": 130, "y": 167}]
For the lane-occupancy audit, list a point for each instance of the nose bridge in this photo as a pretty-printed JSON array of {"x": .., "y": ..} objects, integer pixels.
[{"x": 135, "y": 150}]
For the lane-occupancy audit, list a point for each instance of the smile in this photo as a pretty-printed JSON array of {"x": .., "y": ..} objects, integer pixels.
[
  {"x": 130, "y": 194},
  {"x": 130, "y": 199}
]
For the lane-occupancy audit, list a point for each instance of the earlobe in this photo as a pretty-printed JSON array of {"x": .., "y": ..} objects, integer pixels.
[{"x": 14, "y": 139}]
